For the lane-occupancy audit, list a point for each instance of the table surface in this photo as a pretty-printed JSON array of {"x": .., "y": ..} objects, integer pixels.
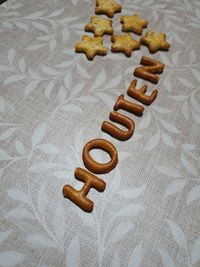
[{"x": 52, "y": 101}]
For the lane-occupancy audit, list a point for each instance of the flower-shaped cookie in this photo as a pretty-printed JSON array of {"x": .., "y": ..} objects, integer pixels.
[
  {"x": 124, "y": 43},
  {"x": 133, "y": 24},
  {"x": 155, "y": 41},
  {"x": 108, "y": 7},
  {"x": 99, "y": 26},
  {"x": 91, "y": 46}
]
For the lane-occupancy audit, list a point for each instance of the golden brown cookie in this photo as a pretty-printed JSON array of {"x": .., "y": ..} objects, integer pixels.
[
  {"x": 95, "y": 166},
  {"x": 91, "y": 46},
  {"x": 133, "y": 24},
  {"x": 108, "y": 7},
  {"x": 131, "y": 107},
  {"x": 139, "y": 94},
  {"x": 99, "y": 26},
  {"x": 155, "y": 41},
  {"x": 115, "y": 131},
  {"x": 79, "y": 197},
  {"x": 150, "y": 69},
  {"x": 124, "y": 43}
]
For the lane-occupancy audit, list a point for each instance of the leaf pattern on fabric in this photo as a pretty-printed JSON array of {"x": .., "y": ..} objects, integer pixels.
[
  {"x": 11, "y": 258},
  {"x": 177, "y": 234},
  {"x": 53, "y": 101},
  {"x": 136, "y": 256},
  {"x": 166, "y": 259}
]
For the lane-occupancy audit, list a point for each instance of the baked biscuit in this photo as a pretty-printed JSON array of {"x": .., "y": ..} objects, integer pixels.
[
  {"x": 91, "y": 46},
  {"x": 79, "y": 197},
  {"x": 155, "y": 41},
  {"x": 108, "y": 7},
  {"x": 94, "y": 166},
  {"x": 99, "y": 26},
  {"x": 129, "y": 106},
  {"x": 124, "y": 43},
  {"x": 133, "y": 24},
  {"x": 149, "y": 70},
  {"x": 115, "y": 131},
  {"x": 139, "y": 94}
]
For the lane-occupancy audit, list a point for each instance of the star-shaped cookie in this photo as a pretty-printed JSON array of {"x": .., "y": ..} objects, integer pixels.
[
  {"x": 99, "y": 26},
  {"x": 155, "y": 41},
  {"x": 108, "y": 7},
  {"x": 91, "y": 46},
  {"x": 124, "y": 43},
  {"x": 133, "y": 24}
]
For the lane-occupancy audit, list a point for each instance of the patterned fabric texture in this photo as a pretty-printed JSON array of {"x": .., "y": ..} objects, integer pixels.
[{"x": 52, "y": 101}]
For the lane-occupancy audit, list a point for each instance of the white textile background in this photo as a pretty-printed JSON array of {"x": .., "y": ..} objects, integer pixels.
[{"x": 52, "y": 101}]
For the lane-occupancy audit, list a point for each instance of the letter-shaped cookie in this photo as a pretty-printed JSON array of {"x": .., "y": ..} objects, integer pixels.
[
  {"x": 128, "y": 106},
  {"x": 139, "y": 94},
  {"x": 152, "y": 66},
  {"x": 94, "y": 166},
  {"x": 115, "y": 131},
  {"x": 79, "y": 196}
]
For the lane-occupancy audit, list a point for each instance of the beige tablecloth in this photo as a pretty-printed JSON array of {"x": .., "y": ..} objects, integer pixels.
[{"x": 52, "y": 101}]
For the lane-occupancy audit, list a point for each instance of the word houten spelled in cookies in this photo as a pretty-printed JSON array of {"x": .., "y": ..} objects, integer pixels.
[{"x": 79, "y": 197}]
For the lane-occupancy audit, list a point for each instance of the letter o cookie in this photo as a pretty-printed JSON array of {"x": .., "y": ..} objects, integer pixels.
[{"x": 95, "y": 166}]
